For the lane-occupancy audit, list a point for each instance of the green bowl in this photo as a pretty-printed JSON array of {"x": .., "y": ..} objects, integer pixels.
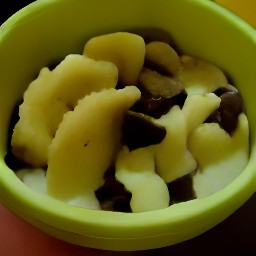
[{"x": 46, "y": 31}]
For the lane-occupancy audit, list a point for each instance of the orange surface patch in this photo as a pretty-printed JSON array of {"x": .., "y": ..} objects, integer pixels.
[{"x": 246, "y": 9}]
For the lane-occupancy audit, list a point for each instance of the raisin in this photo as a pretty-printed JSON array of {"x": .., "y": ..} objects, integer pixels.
[
  {"x": 158, "y": 106},
  {"x": 181, "y": 189},
  {"x": 112, "y": 195},
  {"x": 140, "y": 131},
  {"x": 230, "y": 107}
]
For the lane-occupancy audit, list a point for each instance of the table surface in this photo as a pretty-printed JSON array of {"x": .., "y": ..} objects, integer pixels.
[{"x": 237, "y": 234}]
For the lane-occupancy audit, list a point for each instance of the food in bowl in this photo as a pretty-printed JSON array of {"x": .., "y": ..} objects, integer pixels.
[
  {"x": 128, "y": 120},
  {"x": 45, "y": 32}
]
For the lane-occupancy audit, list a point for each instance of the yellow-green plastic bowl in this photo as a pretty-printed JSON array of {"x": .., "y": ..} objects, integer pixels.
[{"x": 45, "y": 32}]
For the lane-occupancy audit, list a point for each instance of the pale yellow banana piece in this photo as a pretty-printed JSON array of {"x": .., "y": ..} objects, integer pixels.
[
  {"x": 50, "y": 96},
  {"x": 221, "y": 157},
  {"x": 199, "y": 76},
  {"x": 197, "y": 108},
  {"x": 136, "y": 170},
  {"x": 173, "y": 160},
  {"x": 86, "y": 143},
  {"x": 125, "y": 50}
]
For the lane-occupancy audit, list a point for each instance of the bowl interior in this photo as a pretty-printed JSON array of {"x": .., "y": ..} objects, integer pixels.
[{"x": 46, "y": 31}]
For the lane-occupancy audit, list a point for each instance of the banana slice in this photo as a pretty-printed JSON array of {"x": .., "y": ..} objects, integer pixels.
[
  {"x": 136, "y": 170},
  {"x": 50, "y": 96},
  {"x": 210, "y": 144},
  {"x": 86, "y": 143},
  {"x": 198, "y": 76},
  {"x": 197, "y": 108},
  {"x": 173, "y": 160},
  {"x": 221, "y": 157},
  {"x": 125, "y": 50}
]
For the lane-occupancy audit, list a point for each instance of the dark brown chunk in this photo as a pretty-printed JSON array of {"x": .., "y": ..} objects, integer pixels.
[
  {"x": 140, "y": 131},
  {"x": 230, "y": 107},
  {"x": 181, "y": 190},
  {"x": 159, "y": 93},
  {"x": 112, "y": 195},
  {"x": 158, "y": 106}
]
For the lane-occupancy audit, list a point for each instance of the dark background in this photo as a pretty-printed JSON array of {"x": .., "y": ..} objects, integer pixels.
[
  {"x": 8, "y": 7},
  {"x": 235, "y": 235}
]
